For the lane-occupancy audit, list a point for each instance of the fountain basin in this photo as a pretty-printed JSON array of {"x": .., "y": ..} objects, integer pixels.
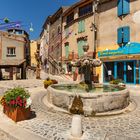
[{"x": 102, "y": 98}]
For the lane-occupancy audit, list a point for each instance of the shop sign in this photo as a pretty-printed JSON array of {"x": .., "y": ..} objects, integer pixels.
[{"x": 131, "y": 48}]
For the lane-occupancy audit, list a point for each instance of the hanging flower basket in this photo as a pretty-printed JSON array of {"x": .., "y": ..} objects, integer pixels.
[{"x": 16, "y": 104}]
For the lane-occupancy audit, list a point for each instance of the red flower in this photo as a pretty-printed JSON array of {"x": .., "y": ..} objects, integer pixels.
[
  {"x": 12, "y": 102},
  {"x": 18, "y": 98}
]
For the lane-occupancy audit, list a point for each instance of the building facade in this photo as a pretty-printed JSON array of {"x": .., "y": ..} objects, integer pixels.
[
  {"x": 33, "y": 48},
  {"x": 15, "y": 53},
  {"x": 55, "y": 40},
  {"x": 78, "y": 30},
  {"x": 111, "y": 30},
  {"x": 44, "y": 43},
  {"x": 119, "y": 42}
]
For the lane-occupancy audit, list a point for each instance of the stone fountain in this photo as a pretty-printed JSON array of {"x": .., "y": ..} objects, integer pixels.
[{"x": 87, "y": 98}]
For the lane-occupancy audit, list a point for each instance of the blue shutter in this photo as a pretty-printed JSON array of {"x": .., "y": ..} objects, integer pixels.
[
  {"x": 120, "y": 6},
  {"x": 119, "y": 32},
  {"x": 126, "y": 7},
  {"x": 126, "y": 34}
]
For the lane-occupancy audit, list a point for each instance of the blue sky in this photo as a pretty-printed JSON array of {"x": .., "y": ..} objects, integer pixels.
[{"x": 31, "y": 11}]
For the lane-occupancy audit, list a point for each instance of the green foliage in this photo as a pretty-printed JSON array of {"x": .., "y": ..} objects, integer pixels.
[
  {"x": 49, "y": 82},
  {"x": 15, "y": 97},
  {"x": 116, "y": 81}
]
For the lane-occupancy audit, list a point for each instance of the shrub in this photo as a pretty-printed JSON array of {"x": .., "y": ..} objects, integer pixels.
[
  {"x": 116, "y": 81},
  {"x": 49, "y": 82}
]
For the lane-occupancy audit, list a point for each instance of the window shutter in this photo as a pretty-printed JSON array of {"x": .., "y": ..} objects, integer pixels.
[
  {"x": 80, "y": 48},
  {"x": 79, "y": 44},
  {"x": 79, "y": 27},
  {"x": 119, "y": 32},
  {"x": 120, "y": 6},
  {"x": 126, "y": 7},
  {"x": 126, "y": 34},
  {"x": 83, "y": 26},
  {"x": 67, "y": 50},
  {"x": 82, "y": 44}
]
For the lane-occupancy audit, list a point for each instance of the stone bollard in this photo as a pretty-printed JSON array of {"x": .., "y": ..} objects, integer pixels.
[{"x": 76, "y": 126}]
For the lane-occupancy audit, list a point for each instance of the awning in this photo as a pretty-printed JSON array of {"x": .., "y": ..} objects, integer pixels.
[
  {"x": 10, "y": 62},
  {"x": 131, "y": 48}
]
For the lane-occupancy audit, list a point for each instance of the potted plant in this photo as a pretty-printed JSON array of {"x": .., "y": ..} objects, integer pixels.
[
  {"x": 118, "y": 82},
  {"x": 49, "y": 82},
  {"x": 16, "y": 104}
]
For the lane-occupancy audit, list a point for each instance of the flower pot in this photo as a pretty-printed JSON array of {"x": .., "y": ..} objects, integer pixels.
[{"x": 17, "y": 113}]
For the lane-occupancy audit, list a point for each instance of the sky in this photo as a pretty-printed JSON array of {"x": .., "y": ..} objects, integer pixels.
[{"x": 31, "y": 11}]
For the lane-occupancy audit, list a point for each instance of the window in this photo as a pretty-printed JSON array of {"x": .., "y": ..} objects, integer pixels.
[
  {"x": 11, "y": 51},
  {"x": 70, "y": 18},
  {"x": 67, "y": 50},
  {"x": 108, "y": 71},
  {"x": 81, "y": 26},
  {"x": 123, "y": 35},
  {"x": 123, "y": 7},
  {"x": 81, "y": 43},
  {"x": 85, "y": 10}
]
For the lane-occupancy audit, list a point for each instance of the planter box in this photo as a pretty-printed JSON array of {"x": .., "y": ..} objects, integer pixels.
[{"x": 18, "y": 113}]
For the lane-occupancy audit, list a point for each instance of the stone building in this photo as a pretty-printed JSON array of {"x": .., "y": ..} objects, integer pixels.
[
  {"x": 14, "y": 53},
  {"x": 44, "y": 43},
  {"x": 55, "y": 40}
]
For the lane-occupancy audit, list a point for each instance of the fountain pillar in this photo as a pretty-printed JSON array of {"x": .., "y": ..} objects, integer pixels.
[{"x": 76, "y": 126}]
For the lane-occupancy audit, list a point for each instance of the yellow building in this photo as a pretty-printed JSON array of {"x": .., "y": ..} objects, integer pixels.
[{"x": 33, "y": 47}]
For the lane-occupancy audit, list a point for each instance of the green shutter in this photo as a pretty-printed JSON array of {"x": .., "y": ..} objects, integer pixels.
[
  {"x": 80, "y": 48},
  {"x": 79, "y": 27},
  {"x": 67, "y": 50},
  {"x": 83, "y": 26}
]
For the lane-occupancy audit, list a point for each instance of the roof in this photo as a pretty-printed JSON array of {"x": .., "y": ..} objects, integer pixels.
[
  {"x": 10, "y": 62},
  {"x": 58, "y": 12},
  {"x": 80, "y": 3},
  {"x": 75, "y": 5}
]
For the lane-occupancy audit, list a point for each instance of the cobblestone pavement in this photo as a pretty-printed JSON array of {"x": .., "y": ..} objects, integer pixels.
[
  {"x": 54, "y": 125},
  {"x": 5, "y": 136}
]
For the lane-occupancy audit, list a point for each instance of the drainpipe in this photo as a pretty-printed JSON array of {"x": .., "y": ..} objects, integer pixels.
[{"x": 94, "y": 26}]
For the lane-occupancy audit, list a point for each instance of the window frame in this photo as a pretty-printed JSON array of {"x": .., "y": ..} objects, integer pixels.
[
  {"x": 85, "y": 10},
  {"x": 11, "y": 51},
  {"x": 70, "y": 18}
]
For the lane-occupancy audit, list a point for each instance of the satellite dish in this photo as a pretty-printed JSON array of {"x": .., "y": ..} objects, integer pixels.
[{"x": 136, "y": 17}]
